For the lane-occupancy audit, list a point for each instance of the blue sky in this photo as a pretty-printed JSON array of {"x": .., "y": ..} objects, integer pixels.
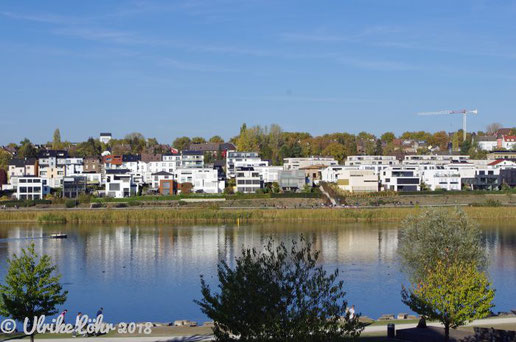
[{"x": 203, "y": 67}]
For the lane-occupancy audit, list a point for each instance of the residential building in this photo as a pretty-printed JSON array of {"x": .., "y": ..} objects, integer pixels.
[
  {"x": 488, "y": 143},
  {"x": 92, "y": 165},
  {"x": 73, "y": 166},
  {"x": 105, "y": 138},
  {"x": 400, "y": 179},
  {"x": 441, "y": 179},
  {"x": 502, "y": 163},
  {"x": 357, "y": 180},
  {"x": 298, "y": 163},
  {"x": 292, "y": 180},
  {"x": 119, "y": 184},
  {"x": 248, "y": 180},
  {"x": 203, "y": 180},
  {"x": 313, "y": 173},
  {"x": 136, "y": 167},
  {"x": 245, "y": 159},
  {"x": 20, "y": 168},
  {"x": 167, "y": 187},
  {"x": 494, "y": 155},
  {"x": 74, "y": 186},
  {"x": 509, "y": 142},
  {"x": 485, "y": 179},
  {"x": 331, "y": 173},
  {"x": 269, "y": 174},
  {"x": 157, "y": 177},
  {"x": 371, "y": 160},
  {"x": 52, "y": 167},
  {"x": 168, "y": 163},
  {"x": 192, "y": 159},
  {"x": 112, "y": 162},
  {"x": 508, "y": 177},
  {"x": 434, "y": 159},
  {"x": 31, "y": 188},
  {"x": 213, "y": 148}
]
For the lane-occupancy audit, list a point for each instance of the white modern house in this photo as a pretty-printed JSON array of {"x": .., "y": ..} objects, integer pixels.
[
  {"x": 441, "y": 179},
  {"x": 357, "y": 180},
  {"x": 119, "y": 184},
  {"x": 31, "y": 188},
  {"x": 400, "y": 179},
  {"x": 52, "y": 167},
  {"x": 298, "y": 163},
  {"x": 105, "y": 138},
  {"x": 248, "y": 180},
  {"x": 203, "y": 180},
  {"x": 157, "y": 177},
  {"x": 73, "y": 166},
  {"x": 371, "y": 160},
  {"x": 487, "y": 143},
  {"x": 509, "y": 142},
  {"x": 269, "y": 174},
  {"x": 192, "y": 159},
  {"x": 244, "y": 159},
  {"x": 434, "y": 159}
]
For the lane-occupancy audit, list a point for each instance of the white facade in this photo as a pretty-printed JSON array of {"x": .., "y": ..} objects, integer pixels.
[
  {"x": 487, "y": 143},
  {"x": 400, "y": 179},
  {"x": 120, "y": 186},
  {"x": 243, "y": 159},
  {"x": 509, "y": 142},
  {"x": 298, "y": 163},
  {"x": 441, "y": 178},
  {"x": 31, "y": 188},
  {"x": 434, "y": 159},
  {"x": 203, "y": 180},
  {"x": 105, "y": 138},
  {"x": 158, "y": 177},
  {"x": 357, "y": 180},
  {"x": 192, "y": 159},
  {"x": 248, "y": 180},
  {"x": 73, "y": 166},
  {"x": 371, "y": 160},
  {"x": 269, "y": 174}
]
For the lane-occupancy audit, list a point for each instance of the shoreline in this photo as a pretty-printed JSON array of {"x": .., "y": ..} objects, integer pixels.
[{"x": 235, "y": 215}]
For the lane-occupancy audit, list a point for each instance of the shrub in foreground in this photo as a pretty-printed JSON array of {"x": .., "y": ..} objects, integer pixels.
[{"x": 278, "y": 294}]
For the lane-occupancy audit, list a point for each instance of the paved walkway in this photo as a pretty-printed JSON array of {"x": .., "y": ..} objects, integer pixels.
[{"x": 198, "y": 338}]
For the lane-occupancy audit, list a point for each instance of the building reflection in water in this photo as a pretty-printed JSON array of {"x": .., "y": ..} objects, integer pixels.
[{"x": 152, "y": 272}]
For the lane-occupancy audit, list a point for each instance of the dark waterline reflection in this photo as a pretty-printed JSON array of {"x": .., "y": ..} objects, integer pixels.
[{"x": 151, "y": 273}]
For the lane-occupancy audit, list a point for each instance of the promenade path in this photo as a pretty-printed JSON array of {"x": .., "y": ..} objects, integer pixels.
[{"x": 197, "y": 338}]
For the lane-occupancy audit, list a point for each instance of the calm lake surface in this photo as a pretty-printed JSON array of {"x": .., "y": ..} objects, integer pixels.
[{"x": 151, "y": 273}]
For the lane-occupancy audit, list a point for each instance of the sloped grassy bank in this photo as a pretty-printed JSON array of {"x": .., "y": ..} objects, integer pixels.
[{"x": 194, "y": 215}]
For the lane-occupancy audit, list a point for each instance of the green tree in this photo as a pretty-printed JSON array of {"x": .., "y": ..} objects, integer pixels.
[
  {"x": 182, "y": 143},
  {"x": 5, "y": 157},
  {"x": 216, "y": 139},
  {"x": 56, "y": 142},
  {"x": 379, "y": 148},
  {"x": 278, "y": 294},
  {"x": 387, "y": 137},
  {"x": 26, "y": 150},
  {"x": 31, "y": 287},
  {"x": 198, "y": 140},
  {"x": 336, "y": 151},
  {"x": 438, "y": 235},
  {"x": 453, "y": 292}
]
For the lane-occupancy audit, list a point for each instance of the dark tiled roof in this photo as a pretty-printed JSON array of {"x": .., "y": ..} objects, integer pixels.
[
  {"x": 117, "y": 171},
  {"x": 162, "y": 173},
  {"x": 53, "y": 154},
  {"x": 191, "y": 153},
  {"x": 22, "y": 162},
  {"x": 130, "y": 158},
  {"x": 105, "y": 134}
]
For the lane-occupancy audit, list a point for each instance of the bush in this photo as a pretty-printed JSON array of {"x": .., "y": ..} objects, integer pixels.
[
  {"x": 120, "y": 205},
  {"x": 84, "y": 198},
  {"x": 278, "y": 294},
  {"x": 135, "y": 203},
  {"x": 71, "y": 203}
]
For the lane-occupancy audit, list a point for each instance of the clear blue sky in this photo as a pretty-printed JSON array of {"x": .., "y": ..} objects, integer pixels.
[{"x": 203, "y": 67}]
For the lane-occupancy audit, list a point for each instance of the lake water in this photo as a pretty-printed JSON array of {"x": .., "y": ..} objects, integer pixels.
[{"x": 151, "y": 273}]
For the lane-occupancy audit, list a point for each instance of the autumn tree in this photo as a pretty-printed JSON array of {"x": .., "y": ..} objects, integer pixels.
[
  {"x": 437, "y": 235},
  {"x": 453, "y": 292},
  {"x": 31, "y": 287},
  {"x": 182, "y": 143},
  {"x": 387, "y": 137},
  {"x": 198, "y": 140},
  {"x": 216, "y": 139},
  {"x": 26, "y": 149},
  {"x": 335, "y": 150},
  {"x": 5, "y": 157}
]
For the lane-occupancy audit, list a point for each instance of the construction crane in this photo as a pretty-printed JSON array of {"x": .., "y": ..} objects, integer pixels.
[{"x": 464, "y": 113}]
